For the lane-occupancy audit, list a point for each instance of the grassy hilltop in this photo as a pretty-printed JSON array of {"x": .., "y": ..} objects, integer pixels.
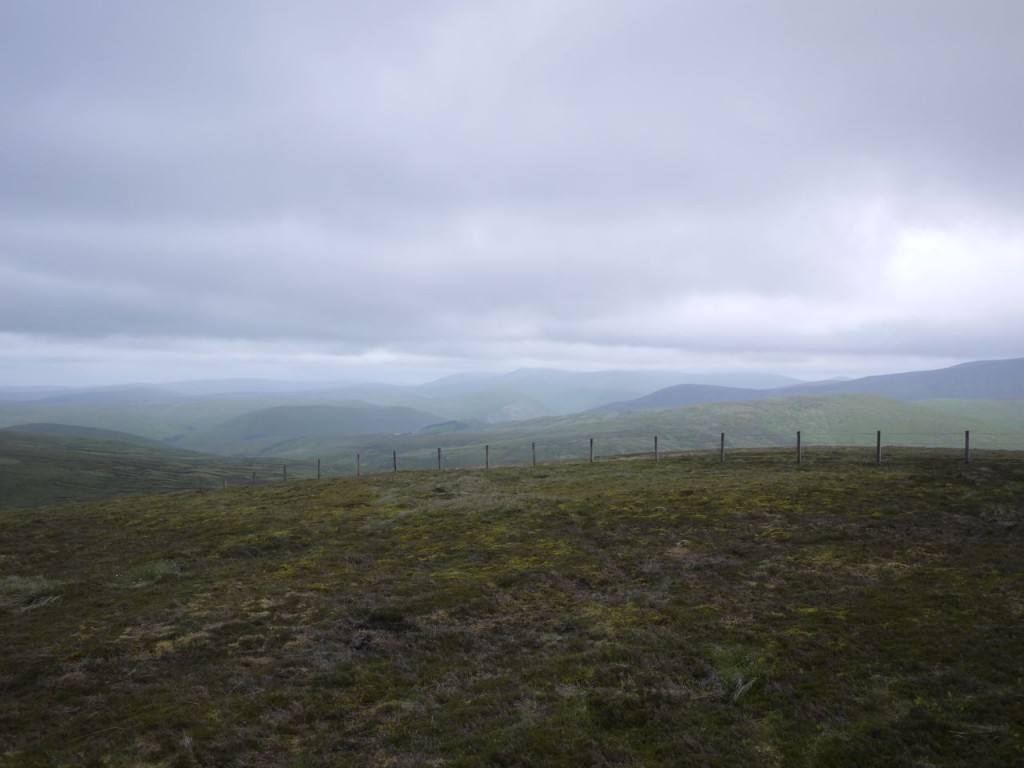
[
  {"x": 757, "y": 613},
  {"x": 50, "y": 464}
]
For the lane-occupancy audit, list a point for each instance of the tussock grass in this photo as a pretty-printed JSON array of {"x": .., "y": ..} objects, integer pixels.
[
  {"x": 27, "y": 592},
  {"x": 150, "y": 573},
  {"x": 835, "y": 613}
]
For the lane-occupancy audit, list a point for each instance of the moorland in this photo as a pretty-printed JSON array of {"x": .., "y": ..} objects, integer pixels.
[
  {"x": 756, "y": 612},
  {"x": 60, "y": 445}
]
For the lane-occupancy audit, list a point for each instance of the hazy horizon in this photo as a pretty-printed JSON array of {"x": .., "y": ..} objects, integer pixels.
[{"x": 738, "y": 379}]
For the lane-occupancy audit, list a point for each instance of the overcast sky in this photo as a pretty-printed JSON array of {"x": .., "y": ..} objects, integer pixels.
[{"x": 329, "y": 190}]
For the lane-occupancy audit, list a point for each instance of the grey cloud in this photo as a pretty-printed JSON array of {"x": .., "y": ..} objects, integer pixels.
[{"x": 437, "y": 177}]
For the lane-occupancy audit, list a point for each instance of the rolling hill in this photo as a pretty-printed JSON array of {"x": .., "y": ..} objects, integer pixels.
[
  {"x": 55, "y": 464},
  {"x": 982, "y": 380},
  {"x": 49, "y": 463},
  {"x": 824, "y": 420},
  {"x": 510, "y": 412},
  {"x": 322, "y": 421},
  {"x": 71, "y": 431}
]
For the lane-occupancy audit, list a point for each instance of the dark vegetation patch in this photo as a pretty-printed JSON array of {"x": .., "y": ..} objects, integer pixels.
[
  {"x": 759, "y": 613},
  {"x": 41, "y": 467}
]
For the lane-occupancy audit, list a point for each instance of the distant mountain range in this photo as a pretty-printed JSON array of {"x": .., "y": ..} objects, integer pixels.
[
  {"x": 268, "y": 419},
  {"x": 525, "y": 393},
  {"x": 68, "y": 445},
  {"x": 984, "y": 380}
]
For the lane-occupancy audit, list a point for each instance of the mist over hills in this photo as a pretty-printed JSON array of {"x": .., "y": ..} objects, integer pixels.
[
  {"x": 272, "y": 419},
  {"x": 178, "y": 411},
  {"x": 551, "y": 391},
  {"x": 46, "y": 464},
  {"x": 565, "y": 392},
  {"x": 99, "y": 443},
  {"x": 73, "y": 432},
  {"x": 983, "y": 380}
]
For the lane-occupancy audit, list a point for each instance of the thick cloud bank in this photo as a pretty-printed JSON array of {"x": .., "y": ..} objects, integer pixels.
[{"x": 395, "y": 189}]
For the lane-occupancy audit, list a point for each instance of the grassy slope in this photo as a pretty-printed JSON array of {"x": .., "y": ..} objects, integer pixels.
[
  {"x": 1009, "y": 413},
  {"x": 755, "y": 613},
  {"x": 188, "y": 421},
  {"x": 66, "y": 431},
  {"x": 159, "y": 421},
  {"x": 40, "y": 469},
  {"x": 823, "y": 420},
  {"x": 264, "y": 427}
]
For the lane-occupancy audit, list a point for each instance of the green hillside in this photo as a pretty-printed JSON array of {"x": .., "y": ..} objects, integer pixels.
[
  {"x": 258, "y": 431},
  {"x": 92, "y": 433},
  {"x": 75, "y": 463},
  {"x": 193, "y": 421},
  {"x": 38, "y": 469},
  {"x": 1009, "y": 413},
  {"x": 626, "y": 613},
  {"x": 827, "y": 420},
  {"x": 170, "y": 420}
]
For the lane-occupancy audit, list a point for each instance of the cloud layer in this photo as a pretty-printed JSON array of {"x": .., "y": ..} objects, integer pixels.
[{"x": 325, "y": 189}]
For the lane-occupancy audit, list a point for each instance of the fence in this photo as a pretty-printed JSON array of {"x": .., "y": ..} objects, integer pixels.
[{"x": 793, "y": 447}]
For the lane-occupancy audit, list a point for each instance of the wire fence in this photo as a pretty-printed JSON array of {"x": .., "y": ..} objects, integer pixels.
[{"x": 799, "y": 446}]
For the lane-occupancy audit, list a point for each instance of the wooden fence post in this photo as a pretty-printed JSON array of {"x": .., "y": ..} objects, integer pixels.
[
  {"x": 438, "y": 459},
  {"x": 655, "y": 449},
  {"x": 799, "y": 451},
  {"x": 394, "y": 461},
  {"x": 591, "y": 450},
  {"x": 318, "y": 469},
  {"x": 721, "y": 448},
  {"x": 878, "y": 447},
  {"x": 967, "y": 446},
  {"x": 358, "y": 467},
  {"x": 533, "y": 453},
  {"x": 487, "y": 457}
]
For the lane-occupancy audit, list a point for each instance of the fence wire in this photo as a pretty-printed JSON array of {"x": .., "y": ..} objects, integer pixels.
[{"x": 518, "y": 452}]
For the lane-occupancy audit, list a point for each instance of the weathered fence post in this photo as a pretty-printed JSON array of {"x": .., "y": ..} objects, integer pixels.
[
  {"x": 878, "y": 447},
  {"x": 318, "y": 469},
  {"x": 394, "y": 461},
  {"x": 967, "y": 446},
  {"x": 438, "y": 459},
  {"x": 799, "y": 450},
  {"x": 721, "y": 448},
  {"x": 487, "y": 457},
  {"x": 533, "y": 453},
  {"x": 655, "y": 449},
  {"x": 358, "y": 467},
  {"x": 591, "y": 450}
]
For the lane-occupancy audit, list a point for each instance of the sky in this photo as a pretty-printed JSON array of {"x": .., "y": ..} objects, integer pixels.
[{"x": 397, "y": 191}]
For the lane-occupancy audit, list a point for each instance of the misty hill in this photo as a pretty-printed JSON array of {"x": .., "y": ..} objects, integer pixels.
[
  {"x": 684, "y": 394},
  {"x": 182, "y": 412},
  {"x": 37, "y": 468},
  {"x": 91, "y": 433},
  {"x": 824, "y": 420},
  {"x": 316, "y": 421},
  {"x": 565, "y": 392},
  {"x": 71, "y": 463},
  {"x": 127, "y": 395},
  {"x": 983, "y": 380}
]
